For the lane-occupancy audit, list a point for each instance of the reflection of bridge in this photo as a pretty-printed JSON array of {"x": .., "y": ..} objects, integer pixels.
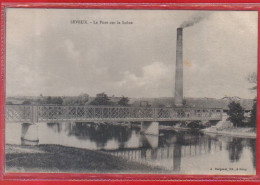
[
  {"x": 169, "y": 157},
  {"x": 51, "y": 113}
]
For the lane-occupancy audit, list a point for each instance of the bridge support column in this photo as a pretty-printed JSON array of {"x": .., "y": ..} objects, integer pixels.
[
  {"x": 29, "y": 134},
  {"x": 150, "y": 128}
]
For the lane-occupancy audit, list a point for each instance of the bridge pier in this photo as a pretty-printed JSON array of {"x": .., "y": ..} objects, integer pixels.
[
  {"x": 150, "y": 128},
  {"x": 29, "y": 131},
  {"x": 29, "y": 134}
]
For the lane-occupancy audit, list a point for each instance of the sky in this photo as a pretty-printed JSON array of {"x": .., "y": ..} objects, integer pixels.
[{"x": 47, "y": 54}]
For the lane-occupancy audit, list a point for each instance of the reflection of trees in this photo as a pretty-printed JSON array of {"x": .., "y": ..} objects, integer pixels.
[
  {"x": 252, "y": 143},
  {"x": 101, "y": 133},
  {"x": 154, "y": 154},
  {"x": 177, "y": 157},
  {"x": 183, "y": 138},
  {"x": 235, "y": 149},
  {"x": 56, "y": 127}
]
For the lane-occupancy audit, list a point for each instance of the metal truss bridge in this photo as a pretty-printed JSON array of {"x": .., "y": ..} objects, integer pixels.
[{"x": 54, "y": 113}]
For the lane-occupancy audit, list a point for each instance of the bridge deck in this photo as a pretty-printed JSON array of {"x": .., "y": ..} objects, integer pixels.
[{"x": 33, "y": 113}]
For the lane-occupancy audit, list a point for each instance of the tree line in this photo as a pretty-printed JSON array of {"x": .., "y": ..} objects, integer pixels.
[{"x": 82, "y": 99}]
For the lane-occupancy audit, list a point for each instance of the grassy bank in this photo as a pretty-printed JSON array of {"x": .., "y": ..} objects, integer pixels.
[{"x": 55, "y": 158}]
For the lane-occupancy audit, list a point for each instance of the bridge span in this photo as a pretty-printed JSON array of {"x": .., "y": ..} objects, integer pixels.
[
  {"x": 55, "y": 113},
  {"x": 148, "y": 117}
]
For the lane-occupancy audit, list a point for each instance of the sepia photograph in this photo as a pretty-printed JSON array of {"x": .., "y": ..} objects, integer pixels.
[{"x": 120, "y": 91}]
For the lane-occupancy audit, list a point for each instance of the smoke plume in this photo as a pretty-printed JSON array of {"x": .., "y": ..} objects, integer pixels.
[{"x": 194, "y": 20}]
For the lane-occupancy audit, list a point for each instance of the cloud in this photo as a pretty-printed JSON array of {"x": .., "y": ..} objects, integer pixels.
[
  {"x": 155, "y": 81},
  {"x": 48, "y": 55}
]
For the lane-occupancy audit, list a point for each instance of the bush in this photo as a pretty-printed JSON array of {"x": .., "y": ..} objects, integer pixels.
[
  {"x": 236, "y": 114},
  {"x": 196, "y": 124}
]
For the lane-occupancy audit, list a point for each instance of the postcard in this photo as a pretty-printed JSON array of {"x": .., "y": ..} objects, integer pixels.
[{"x": 137, "y": 91}]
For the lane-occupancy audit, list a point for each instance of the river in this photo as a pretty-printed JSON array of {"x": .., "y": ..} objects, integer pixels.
[{"x": 178, "y": 152}]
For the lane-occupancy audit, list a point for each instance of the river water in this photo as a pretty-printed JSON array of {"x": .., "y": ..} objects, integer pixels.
[{"x": 185, "y": 152}]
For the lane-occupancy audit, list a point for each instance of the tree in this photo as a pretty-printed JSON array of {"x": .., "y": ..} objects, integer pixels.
[
  {"x": 101, "y": 99},
  {"x": 252, "y": 121},
  {"x": 49, "y": 100},
  {"x": 82, "y": 99},
  {"x": 57, "y": 101},
  {"x": 236, "y": 114},
  {"x": 53, "y": 100},
  {"x": 123, "y": 101},
  {"x": 26, "y": 102},
  {"x": 252, "y": 78}
]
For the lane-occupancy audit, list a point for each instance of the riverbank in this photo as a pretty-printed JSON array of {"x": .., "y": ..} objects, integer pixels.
[
  {"x": 235, "y": 132},
  {"x": 56, "y": 158}
]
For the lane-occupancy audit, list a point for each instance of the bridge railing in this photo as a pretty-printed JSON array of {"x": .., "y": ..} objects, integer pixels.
[
  {"x": 18, "y": 113},
  {"x": 33, "y": 113}
]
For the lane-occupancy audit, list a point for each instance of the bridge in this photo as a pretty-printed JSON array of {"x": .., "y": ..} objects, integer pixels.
[
  {"x": 55, "y": 113},
  {"x": 148, "y": 117}
]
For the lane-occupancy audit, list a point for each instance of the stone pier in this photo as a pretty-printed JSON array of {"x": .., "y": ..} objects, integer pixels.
[{"x": 29, "y": 134}]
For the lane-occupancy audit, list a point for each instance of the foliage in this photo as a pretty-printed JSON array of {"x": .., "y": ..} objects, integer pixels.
[
  {"x": 123, "y": 101},
  {"x": 82, "y": 99},
  {"x": 196, "y": 124},
  {"x": 101, "y": 99},
  {"x": 252, "y": 121},
  {"x": 27, "y": 102},
  {"x": 48, "y": 100},
  {"x": 252, "y": 78},
  {"x": 236, "y": 114},
  {"x": 53, "y": 100}
]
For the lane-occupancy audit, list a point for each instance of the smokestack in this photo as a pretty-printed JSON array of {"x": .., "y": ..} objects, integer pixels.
[{"x": 178, "y": 96}]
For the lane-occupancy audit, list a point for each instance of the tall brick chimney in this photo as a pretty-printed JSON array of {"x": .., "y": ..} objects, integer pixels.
[{"x": 178, "y": 96}]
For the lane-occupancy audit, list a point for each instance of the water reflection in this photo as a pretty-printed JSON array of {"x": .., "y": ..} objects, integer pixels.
[
  {"x": 177, "y": 157},
  {"x": 252, "y": 144},
  {"x": 235, "y": 148},
  {"x": 173, "y": 148},
  {"x": 102, "y": 133},
  {"x": 149, "y": 141},
  {"x": 56, "y": 127},
  {"x": 176, "y": 151}
]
